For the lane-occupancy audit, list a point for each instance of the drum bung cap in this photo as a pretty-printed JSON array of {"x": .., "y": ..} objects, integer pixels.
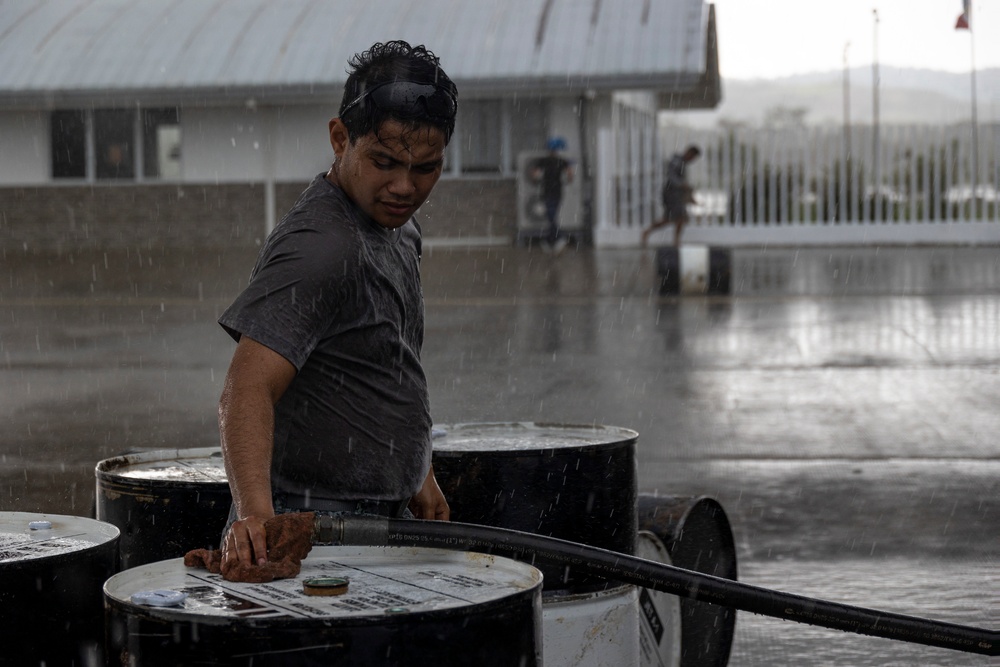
[
  {"x": 325, "y": 586},
  {"x": 159, "y": 598}
]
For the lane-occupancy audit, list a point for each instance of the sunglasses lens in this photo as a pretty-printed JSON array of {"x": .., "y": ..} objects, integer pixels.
[{"x": 415, "y": 99}]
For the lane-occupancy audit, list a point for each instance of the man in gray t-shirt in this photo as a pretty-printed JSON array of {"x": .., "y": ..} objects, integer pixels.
[
  {"x": 325, "y": 405},
  {"x": 338, "y": 296}
]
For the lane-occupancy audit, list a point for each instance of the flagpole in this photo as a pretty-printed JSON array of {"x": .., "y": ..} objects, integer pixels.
[
  {"x": 975, "y": 120},
  {"x": 845, "y": 164}
]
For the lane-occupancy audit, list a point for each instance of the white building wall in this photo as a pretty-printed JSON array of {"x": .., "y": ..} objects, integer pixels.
[
  {"x": 24, "y": 148},
  {"x": 564, "y": 121},
  {"x": 599, "y": 129},
  {"x": 639, "y": 100},
  {"x": 303, "y": 141},
  {"x": 600, "y": 116},
  {"x": 223, "y": 145},
  {"x": 627, "y": 169},
  {"x": 229, "y": 145}
]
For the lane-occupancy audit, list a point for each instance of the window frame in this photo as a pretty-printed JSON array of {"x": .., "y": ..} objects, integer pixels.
[
  {"x": 138, "y": 144},
  {"x": 505, "y": 109}
]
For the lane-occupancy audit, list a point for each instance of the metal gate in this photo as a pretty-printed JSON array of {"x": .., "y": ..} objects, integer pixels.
[{"x": 813, "y": 186}]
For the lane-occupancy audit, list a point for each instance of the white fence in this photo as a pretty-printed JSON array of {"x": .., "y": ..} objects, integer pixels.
[{"x": 803, "y": 186}]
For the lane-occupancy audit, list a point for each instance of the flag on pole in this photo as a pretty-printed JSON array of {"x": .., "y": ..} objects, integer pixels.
[{"x": 966, "y": 17}]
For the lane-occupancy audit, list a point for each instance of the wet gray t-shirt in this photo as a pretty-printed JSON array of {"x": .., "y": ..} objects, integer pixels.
[{"x": 339, "y": 296}]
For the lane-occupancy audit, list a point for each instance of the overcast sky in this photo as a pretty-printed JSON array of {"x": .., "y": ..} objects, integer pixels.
[{"x": 774, "y": 38}]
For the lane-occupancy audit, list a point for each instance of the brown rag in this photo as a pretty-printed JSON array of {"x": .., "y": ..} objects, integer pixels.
[{"x": 289, "y": 540}]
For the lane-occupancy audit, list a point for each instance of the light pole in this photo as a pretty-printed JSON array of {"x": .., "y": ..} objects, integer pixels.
[
  {"x": 847, "y": 103},
  {"x": 845, "y": 169},
  {"x": 876, "y": 148}
]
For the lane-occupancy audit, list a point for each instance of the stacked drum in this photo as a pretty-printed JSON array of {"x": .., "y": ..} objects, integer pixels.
[
  {"x": 391, "y": 605},
  {"x": 401, "y": 607},
  {"x": 575, "y": 483}
]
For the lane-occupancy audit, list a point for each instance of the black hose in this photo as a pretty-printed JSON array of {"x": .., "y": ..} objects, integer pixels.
[{"x": 378, "y": 531}]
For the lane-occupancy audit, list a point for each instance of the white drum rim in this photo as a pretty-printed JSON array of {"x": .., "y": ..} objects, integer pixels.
[
  {"x": 114, "y": 468},
  {"x": 69, "y": 536},
  {"x": 571, "y": 597},
  {"x": 527, "y": 437},
  {"x": 518, "y": 579}
]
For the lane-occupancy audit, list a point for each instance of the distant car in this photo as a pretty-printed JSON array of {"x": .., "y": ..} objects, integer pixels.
[{"x": 958, "y": 194}]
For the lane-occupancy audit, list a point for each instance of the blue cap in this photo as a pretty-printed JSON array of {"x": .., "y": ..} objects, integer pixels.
[{"x": 556, "y": 144}]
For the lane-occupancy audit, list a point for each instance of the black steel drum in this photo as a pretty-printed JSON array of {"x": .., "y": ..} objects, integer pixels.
[
  {"x": 575, "y": 483},
  {"x": 401, "y": 607},
  {"x": 52, "y": 568},
  {"x": 697, "y": 536},
  {"x": 165, "y": 502}
]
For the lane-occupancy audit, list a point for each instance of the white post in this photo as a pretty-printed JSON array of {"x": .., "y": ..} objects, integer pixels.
[
  {"x": 937, "y": 141},
  {"x": 924, "y": 156},
  {"x": 507, "y": 168},
  {"x": 90, "y": 148},
  {"x": 604, "y": 169},
  {"x": 269, "y": 141},
  {"x": 138, "y": 152},
  {"x": 808, "y": 172}
]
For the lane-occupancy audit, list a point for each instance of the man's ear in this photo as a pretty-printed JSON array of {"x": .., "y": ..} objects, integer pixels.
[{"x": 339, "y": 138}]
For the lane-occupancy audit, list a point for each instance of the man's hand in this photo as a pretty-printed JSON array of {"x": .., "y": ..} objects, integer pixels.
[
  {"x": 289, "y": 539},
  {"x": 246, "y": 542},
  {"x": 430, "y": 503}
]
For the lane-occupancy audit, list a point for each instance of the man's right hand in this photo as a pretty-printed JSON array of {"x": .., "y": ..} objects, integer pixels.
[
  {"x": 256, "y": 380},
  {"x": 246, "y": 542}
]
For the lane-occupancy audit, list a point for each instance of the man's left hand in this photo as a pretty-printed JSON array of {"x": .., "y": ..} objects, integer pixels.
[{"x": 430, "y": 503}]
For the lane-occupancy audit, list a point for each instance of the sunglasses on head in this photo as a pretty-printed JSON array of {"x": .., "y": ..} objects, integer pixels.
[{"x": 409, "y": 100}]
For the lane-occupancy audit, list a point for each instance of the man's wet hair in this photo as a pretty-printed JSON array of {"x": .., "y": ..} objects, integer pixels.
[{"x": 397, "y": 62}]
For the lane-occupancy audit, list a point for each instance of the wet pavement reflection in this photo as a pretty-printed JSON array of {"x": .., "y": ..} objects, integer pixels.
[{"x": 840, "y": 403}]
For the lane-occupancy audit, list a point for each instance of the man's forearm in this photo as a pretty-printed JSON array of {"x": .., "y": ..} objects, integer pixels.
[
  {"x": 255, "y": 382},
  {"x": 246, "y": 427}
]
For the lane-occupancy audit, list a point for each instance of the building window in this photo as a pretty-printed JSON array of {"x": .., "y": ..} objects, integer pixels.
[
  {"x": 114, "y": 141},
  {"x": 492, "y": 132},
  {"x": 161, "y": 141},
  {"x": 528, "y": 120},
  {"x": 69, "y": 144},
  {"x": 115, "y": 144},
  {"x": 480, "y": 140}
]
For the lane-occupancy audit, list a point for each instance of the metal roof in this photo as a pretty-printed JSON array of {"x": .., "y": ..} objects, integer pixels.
[{"x": 52, "y": 51}]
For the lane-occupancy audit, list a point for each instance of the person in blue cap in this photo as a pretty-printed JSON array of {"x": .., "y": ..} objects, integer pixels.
[{"x": 551, "y": 172}]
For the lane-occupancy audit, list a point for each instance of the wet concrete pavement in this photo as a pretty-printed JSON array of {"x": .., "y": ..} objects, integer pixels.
[{"x": 841, "y": 403}]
